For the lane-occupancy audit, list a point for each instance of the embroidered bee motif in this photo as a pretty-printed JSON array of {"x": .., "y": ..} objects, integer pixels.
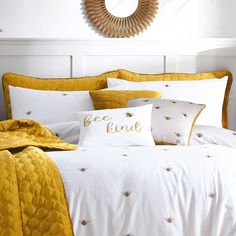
[
  {"x": 212, "y": 195},
  {"x": 169, "y": 220},
  {"x": 83, "y": 222},
  {"x": 233, "y": 133},
  {"x": 57, "y": 135},
  {"x": 157, "y": 107},
  {"x": 178, "y": 135},
  {"x": 168, "y": 169},
  {"x": 167, "y": 117},
  {"x": 28, "y": 113},
  {"x": 208, "y": 156},
  {"x": 64, "y": 94},
  {"x": 128, "y": 114},
  {"x": 83, "y": 169},
  {"x": 167, "y": 85},
  {"x": 174, "y": 102},
  {"x": 191, "y": 103},
  {"x": 185, "y": 115},
  {"x": 124, "y": 155},
  {"x": 199, "y": 135},
  {"x": 126, "y": 194},
  {"x": 146, "y": 100}
]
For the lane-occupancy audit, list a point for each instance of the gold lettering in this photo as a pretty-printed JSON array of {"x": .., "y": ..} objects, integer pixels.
[
  {"x": 87, "y": 120},
  {"x": 111, "y": 128}
]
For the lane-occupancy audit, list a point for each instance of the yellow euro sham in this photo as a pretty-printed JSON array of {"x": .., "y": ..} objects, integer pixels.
[
  {"x": 109, "y": 99},
  {"x": 136, "y": 77},
  {"x": 17, "y": 134},
  {"x": 59, "y": 84}
]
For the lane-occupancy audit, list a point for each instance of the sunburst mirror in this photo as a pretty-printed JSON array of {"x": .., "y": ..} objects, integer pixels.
[{"x": 121, "y": 18}]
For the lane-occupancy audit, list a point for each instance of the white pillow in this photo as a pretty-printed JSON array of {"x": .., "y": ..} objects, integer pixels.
[
  {"x": 48, "y": 107},
  {"x": 68, "y": 131},
  {"x": 210, "y": 92},
  {"x": 116, "y": 127},
  {"x": 213, "y": 135},
  {"x": 172, "y": 120}
]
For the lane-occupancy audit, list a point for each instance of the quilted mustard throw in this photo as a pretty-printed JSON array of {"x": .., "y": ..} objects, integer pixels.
[
  {"x": 32, "y": 197},
  {"x": 23, "y": 133}
]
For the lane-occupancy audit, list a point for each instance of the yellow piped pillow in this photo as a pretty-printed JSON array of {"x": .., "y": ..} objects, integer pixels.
[
  {"x": 109, "y": 99},
  {"x": 54, "y": 84}
]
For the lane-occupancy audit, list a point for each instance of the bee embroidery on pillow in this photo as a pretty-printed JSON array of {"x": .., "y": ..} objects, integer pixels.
[
  {"x": 64, "y": 94},
  {"x": 185, "y": 115},
  {"x": 129, "y": 114},
  {"x": 178, "y": 135},
  {"x": 146, "y": 100},
  {"x": 199, "y": 135},
  {"x": 174, "y": 102},
  {"x": 157, "y": 107},
  {"x": 167, "y": 117},
  {"x": 167, "y": 85},
  {"x": 28, "y": 113}
]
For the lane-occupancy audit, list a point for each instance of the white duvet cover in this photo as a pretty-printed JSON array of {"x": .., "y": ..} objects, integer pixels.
[{"x": 151, "y": 191}]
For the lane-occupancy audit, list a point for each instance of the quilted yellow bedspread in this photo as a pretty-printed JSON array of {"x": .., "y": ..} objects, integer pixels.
[{"x": 32, "y": 197}]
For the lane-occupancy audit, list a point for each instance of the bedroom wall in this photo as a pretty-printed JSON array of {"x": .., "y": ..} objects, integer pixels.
[{"x": 66, "y": 19}]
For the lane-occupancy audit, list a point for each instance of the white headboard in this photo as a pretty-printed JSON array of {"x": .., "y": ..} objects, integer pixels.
[{"x": 71, "y": 58}]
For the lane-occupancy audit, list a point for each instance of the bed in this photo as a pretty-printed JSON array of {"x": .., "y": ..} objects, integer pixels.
[{"x": 182, "y": 188}]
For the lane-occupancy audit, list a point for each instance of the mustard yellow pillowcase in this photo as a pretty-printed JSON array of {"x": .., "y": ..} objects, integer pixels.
[
  {"x": 54, "y": 84},
  {"x": 109, "y": 99}
]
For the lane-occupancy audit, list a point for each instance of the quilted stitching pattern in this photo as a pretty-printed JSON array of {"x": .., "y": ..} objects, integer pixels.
[
  {"x": 23, "y": 133},
  {"x": 66, "y": 84},
  {"x": 10, "y": 215},
  {"x": 41, "y": 192},
  {"x": 108, "y": 99}
]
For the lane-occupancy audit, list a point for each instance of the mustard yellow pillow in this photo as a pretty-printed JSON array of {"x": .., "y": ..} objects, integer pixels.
[
  {"x": 62, "y": 84},
  {"x": 136, "y": 77},
  {"x": 109, "y": 99}
]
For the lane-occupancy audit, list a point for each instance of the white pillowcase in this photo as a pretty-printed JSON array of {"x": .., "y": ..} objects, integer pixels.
[
  {"x": 210, "y": 92},
  {"x": 48, "y": 107},
  {"x": 172, "y": 120},
  {"x": 116, "y": 127},
  {"x": 213, "y": 135},
  {"x": 68, "y": 131}
]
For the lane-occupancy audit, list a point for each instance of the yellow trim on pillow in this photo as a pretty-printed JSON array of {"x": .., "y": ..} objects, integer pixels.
[
  {"x": 109, "y": 99},
  {"x": 135, "y": 77},
  {"x": 63, "y": 84}
]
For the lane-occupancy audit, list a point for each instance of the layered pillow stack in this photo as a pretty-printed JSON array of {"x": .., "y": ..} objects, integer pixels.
[{"x": 58, "y": 103}]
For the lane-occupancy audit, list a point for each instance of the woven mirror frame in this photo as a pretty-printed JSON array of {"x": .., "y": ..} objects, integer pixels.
[{"x": 121, "y": 27}]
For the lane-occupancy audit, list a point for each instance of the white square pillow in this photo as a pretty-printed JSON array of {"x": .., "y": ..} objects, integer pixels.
[
  {"x": 47, "y": 107},
  {"x": 210, "y": 92},
  {"x": 116, "y": 127},
  {"x": 172, "y": 120}
]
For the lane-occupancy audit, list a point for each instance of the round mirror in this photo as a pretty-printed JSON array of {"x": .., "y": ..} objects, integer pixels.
[
  {"x": 121, "y": 18},
  {"x": 121, "y": 8}
]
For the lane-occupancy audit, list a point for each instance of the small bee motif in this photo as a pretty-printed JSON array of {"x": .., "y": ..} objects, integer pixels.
[
  {"x": 174, "y": 102},
  {"x": 208, "y": 156},
  {"x": 191, "y": 103},
  {"x": 167, "y": 117},
  {"x": 83, "y": 222},
  {"x": 178, "y": 135},
  {"x": 64, "y": 94},
  {"x": 124, "y": 155},
  {"x": 157, "y": 107},
  {"x": 57, "y": 135},
  {"x": 169, "y": 220},
  {"x": 185, "y": 115},
  {"x": 199, "y": 135},
  {"x": 83, "y": 169},
  {"x": 234, "y": 134},
  {"x": 168, "y": 169},
  {"x": 146, "y": 100},
  {"x": 212, "y": 195},
  {"x": 129, "y": 114},
  {"x": 28, "y": 113},
  {"x": 126, "y": 194},
  {"x": 167, "y": 85}
]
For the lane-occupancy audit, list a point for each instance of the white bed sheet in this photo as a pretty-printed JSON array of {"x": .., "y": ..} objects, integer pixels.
[{"x": 154, "y": 191}]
